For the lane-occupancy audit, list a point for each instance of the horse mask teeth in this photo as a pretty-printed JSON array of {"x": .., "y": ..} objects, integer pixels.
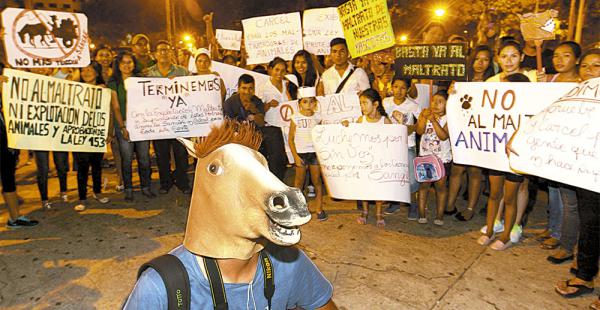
[{"x": 226, "y": 223}]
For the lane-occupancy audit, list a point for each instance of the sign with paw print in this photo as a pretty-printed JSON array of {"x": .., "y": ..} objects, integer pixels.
[{"x": 483, "y": 116}]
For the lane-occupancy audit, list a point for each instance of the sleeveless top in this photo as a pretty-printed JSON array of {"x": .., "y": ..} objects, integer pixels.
[{"x": 304, "y": 125}]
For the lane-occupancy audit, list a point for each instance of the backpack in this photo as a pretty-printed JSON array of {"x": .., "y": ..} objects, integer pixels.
[
  {"x": 428, "y": 168},
  {"x": 177, "y": 281}
]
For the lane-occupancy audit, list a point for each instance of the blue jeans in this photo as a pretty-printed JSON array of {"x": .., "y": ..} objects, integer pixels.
[
  {"x": 570, "y": 220},
  {"x": 555, "y": 212},
  {"x": 142, "y": 153},
  {"x": 42, "y": 161}
]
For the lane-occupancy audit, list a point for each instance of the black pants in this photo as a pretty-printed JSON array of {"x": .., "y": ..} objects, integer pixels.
[
  {"x": 274, "y": 151},
  {"x": 42, "y": 161},
  {"x": 163, "y": 160},
  {"x": 84, "y": 161},
  {"x": 8, "y": 164},
  {"x": 588, "y": 246}
]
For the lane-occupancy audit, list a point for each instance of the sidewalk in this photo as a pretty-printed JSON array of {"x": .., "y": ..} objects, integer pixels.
[{"x": 89, "y": 260}]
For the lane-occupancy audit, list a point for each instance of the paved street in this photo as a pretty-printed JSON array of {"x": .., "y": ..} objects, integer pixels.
[{"x": 89, "y": 260}]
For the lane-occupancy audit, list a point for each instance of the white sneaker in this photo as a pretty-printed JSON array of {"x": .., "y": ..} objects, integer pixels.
[
  {"x": 79, "y": 207},
  {"x": 498, "y": 227},
  {"x": 311, "y": 192},
  {"x": 119, "y": 188},
  {"x": 64, "y": 197},
  {"x": 46, "y": 205},
  {"x": 515, "y": 233},
  {"x": 101, "y": 199}
]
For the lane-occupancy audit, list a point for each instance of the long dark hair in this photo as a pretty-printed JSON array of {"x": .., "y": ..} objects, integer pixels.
[
  {"x": 292, "y": 89},
  {"x": 311, "y": 72},
  {"x": 117, "y": 77},
  {"x": 374, "y": 96},
  {"x": 489, "y": 72},
  {"x": 98, "y": 68}
]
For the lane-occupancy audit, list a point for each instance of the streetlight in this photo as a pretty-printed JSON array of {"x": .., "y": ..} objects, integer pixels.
[
  {"x": 403, "y": 38},
  {"x": 439, "y": 12},
  {"x": 187, "y": 37}
]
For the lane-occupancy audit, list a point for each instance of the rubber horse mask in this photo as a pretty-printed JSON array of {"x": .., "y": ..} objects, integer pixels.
[{"x": 237, "y": 202}]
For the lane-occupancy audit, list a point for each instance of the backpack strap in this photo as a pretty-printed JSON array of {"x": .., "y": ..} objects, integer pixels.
[
  {"x": 176, "y": 280},
  {"x": 343, "y": 83}
]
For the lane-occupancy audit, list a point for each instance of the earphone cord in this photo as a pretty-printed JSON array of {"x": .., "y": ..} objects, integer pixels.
[{"x": 250, "y": 292}]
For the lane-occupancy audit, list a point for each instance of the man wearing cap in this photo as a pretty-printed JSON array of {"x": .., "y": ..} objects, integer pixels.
[
  {"x": 342, "y": 77},
  {"x": 165, "y": 68},
  {"x": 141, "y": 50}
]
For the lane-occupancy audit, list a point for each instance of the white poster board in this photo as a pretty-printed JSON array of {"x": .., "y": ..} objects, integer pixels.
[
  {"x": 41, "y": 39},
  {"x": 161, "y": 108},
  {"x": 230, "y": 75},
  {"x": 43, "y": 113},
  {"x": 229, "y": 39},
  {"x": 364, "y": 161},
  {"x": 320, "y": 26},
  {"x": 483, "y": 116},
  {"x": 562, "y": 142},
  {"x": 267, "y": 37}
]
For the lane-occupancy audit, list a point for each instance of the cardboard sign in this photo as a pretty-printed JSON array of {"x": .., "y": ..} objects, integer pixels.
[
  {"x": 38, "y": 39},
  {"x": 538, "y": 26},
  {"x": 49, "y": 114},
  {"x": 445, "y": 61},
  {"x": 229, "y": 39},
  {"x": 367, "y": 26},
  {"x": 160, "y": 108},
  {"x": 364, "y": 161},
  {"x": 231, "y": 74},
  {"x": 483, "y": 116},
  {"x": 320, "y": 26},
  {"x": 267, "y": 37},
  {"x": 562, "y": 142}
]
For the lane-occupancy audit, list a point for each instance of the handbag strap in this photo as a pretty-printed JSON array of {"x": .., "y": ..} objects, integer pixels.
[{"x": 343, "y": 83}]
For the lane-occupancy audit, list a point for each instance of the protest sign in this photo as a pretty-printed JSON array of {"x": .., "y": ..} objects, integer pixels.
[
  {"x": 320, "y": 26},
  {"x": 229, "y": 39},
  {"x": 483, "y": 116},
  {"x": 332, "y": 109},
  {"x": 367, "y": 26},
  {"x": 49, "y": 114},
  {"x": 364, "y": 161},
  {"x": 562, "y": 142},
  {"x": 161, "y": 108},
  {"x": 444, "y": 61},
  {"x": 538, "y": 26},
  {"x": 266, "y": 37},
  {"x": 230, "y": 75},
  {"x": 36, "y": 38}
]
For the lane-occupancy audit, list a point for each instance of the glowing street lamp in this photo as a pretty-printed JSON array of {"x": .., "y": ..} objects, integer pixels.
[
  {"x": 403, "y": 38},
  {"x": 439, "y": 12},
  {"x": 187, "y": 38}
]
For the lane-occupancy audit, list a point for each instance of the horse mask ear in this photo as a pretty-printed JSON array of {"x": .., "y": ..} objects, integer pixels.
[{"x": 189, "y": 146}]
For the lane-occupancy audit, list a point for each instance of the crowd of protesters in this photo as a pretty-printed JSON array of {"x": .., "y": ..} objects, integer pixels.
[{"x": 573, "y": 213}]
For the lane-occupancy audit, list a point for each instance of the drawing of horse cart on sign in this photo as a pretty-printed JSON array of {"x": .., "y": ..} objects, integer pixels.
[{"x": 48, "y": 33}]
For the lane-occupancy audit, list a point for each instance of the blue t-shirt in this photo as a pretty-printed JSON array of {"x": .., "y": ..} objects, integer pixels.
[{"x": 298, "y": 283}]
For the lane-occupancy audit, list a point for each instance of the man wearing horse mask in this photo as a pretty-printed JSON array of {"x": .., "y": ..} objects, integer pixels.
[{"x": 237, "y": 247}]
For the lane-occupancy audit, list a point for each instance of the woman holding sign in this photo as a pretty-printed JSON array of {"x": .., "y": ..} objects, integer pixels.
[
  {"x": 275, "y": 91},
  {"x": 92, "y": 74}
]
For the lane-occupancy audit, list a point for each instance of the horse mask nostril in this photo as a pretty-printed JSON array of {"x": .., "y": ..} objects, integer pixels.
[{"x": 278, "y": 201}]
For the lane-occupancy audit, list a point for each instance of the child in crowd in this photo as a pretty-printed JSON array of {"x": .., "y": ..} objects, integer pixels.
[
  {"x": 302, "y": 147},
  {"x": 433, "y": 128},
  {"x": 405, "y": 111},
  {"x": 373, "y": 112}
]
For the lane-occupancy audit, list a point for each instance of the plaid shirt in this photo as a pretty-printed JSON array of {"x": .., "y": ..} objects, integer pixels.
[{"x": 173, "y": 72}]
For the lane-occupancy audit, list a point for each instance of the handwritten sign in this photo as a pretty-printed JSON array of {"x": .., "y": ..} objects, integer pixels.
[
  {"x": 367, "y": 26},
  {"x": 538, "y": 26},
  {"x": 320, "y": 26},
  {"x": 447, "y": 61},
  {"x": 35, "y": 38},
  {"x": 483, "y": 116},
  {"x": 49, "y": 114},
  {"x": 231, "y": 74},
  {"x": 159, "y": 108},
  {"x": 562, "y": 142},
  {"x": 229, "y": 39},
  {"x": 269, "y": 36},
  {"x": 364, "y": 161}
]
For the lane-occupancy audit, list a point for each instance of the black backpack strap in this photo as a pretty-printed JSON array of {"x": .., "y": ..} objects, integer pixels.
[
  {"x": 343, "y": 83},
  {"x": 269, "y": 275},
  {"x": 215, "y": 279},
  {"x": 176, "y": 280}
]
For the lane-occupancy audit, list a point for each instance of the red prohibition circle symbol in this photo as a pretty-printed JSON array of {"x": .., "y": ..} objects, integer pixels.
[
  {"x": 66, "y": 52},
  {"x": 286, "y": 112}
]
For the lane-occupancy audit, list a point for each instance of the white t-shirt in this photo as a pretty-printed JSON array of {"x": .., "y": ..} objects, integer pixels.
[
  {"x": 304, "y": 126},
  {"x": 267, "y": 92},
  {"x": 331, "y": 79},
  {"x": 432, "y": 145},
  {"x": 409, "y": 108}
]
